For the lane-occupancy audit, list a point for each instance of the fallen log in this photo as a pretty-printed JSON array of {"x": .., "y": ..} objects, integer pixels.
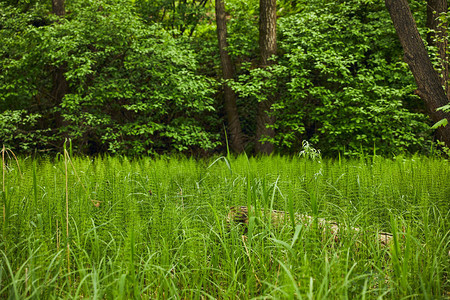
[{"x": 240, "y": 214}]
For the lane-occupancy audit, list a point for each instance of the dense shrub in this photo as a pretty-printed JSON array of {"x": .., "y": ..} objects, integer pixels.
[
  {"x": 340, "y": 82},
  {"x": 130, "y": 87},
  {"x": 110, "y": 76}
]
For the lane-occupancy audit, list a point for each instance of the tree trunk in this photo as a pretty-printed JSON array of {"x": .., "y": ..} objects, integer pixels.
[
  {"x": 268, "y": 48},
  {"x": 58, "y": 7},
  {"x": 229, "y": 96},
  {"x": 60, "y": 85},
  {"x": 438, "y": 36},
  {"x": 416, "y": 56}
]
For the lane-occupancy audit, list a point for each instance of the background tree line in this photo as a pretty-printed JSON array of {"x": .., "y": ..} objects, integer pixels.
[{"x": 146, "y": 77}]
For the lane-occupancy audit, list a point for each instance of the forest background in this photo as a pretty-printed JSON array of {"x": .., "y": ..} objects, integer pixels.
[{"x": 196, "y": 76}]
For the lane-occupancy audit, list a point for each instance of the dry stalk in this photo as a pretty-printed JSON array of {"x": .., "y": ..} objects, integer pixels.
[
  {"x": 7, "y": 150},
  {"x": 26, "y": 281},
  {"x": 180, "y": 194},
  {"x": 57, "y": 236},
  {"x": 244, "y": 238},
  {"x": 3, "y": 181},
  {"x": 66, "y": 155}
]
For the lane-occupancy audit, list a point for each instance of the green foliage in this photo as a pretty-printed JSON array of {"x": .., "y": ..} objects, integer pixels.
[
  {"x": 175, "y": 242},
  {"x": 18, "y": 60},
  {"x": 17, "y": 130},
  {"x": 180, "y": 17},
  {"x": 309, "y": 152},
  {"x": 438, "y": 61},
  {"x": 132, "y": 88},
  {"x": 440, "y": 123},
  {"x": 340, "y": 82},
  {"x": 445, "y": 108},
  {"x": 243, "y": 32},
  {"x": 140, "y": 77}
]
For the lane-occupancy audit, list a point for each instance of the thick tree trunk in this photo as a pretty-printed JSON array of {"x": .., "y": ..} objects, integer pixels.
[
  {"x": 268, "y": 48},
  {"x": 229, "y": 101},
  {"x": 416, "y": 56},
  {"x": 438, "y": 36}
]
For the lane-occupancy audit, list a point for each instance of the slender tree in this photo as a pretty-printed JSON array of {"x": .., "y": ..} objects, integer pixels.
[
  {"x": 228, "y": 72},
  {"x": 429, "y": 85},
  {"x": 268, "y": 48},
  {"x": 60, "y": 85}
]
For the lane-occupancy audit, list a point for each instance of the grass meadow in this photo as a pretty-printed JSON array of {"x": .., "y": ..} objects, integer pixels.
[{"x": 121, "y": 228}]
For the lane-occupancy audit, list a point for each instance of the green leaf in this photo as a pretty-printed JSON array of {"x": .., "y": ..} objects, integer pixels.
[
  {"x": 445, "y": 108},
  {"x": 442, "y": 123}
]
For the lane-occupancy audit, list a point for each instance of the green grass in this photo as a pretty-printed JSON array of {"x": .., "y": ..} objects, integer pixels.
[{"x": 175, "y": 242}]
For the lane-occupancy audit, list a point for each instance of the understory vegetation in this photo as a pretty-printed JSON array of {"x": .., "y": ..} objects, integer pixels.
[{"x": 112, "y": 227}]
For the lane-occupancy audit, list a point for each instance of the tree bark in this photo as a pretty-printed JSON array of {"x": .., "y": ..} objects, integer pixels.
[
  {"x": 60, "y": 85},
  {"x": 229, "y": 96},
  {"x": 438, "y": 36},
  {"x": 59, "y": 90},
  {"x": 268, "y": 48},
  {"x": 58, "y": 7},
  {"x": 416, "y": 56}
]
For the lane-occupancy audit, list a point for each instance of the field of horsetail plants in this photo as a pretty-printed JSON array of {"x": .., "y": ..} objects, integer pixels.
[{"x": 121, "y": 228}]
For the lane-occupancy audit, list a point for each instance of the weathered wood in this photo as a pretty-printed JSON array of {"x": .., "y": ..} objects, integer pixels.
[{"x": 240, "y": 214}]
